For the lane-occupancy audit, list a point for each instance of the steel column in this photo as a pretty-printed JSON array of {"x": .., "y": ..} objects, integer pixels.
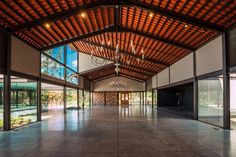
[{"x": 226, "y": 84}]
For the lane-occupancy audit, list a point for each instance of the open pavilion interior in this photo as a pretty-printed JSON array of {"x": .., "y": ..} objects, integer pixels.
[{"x": 117, "y": 78}]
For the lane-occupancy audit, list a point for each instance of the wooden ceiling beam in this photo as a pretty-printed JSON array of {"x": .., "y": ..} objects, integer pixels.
[
  {"x": 71, "y": 40},
  {"x": 61, "y": 15},
  {"x": 175, "y": 16},
  {"x": 157, "y": 38}
]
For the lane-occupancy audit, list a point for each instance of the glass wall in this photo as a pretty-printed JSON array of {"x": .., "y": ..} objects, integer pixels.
[
  {"x": 61, "y": 63},
  {"x": 149, "y": 98},
  {"x": 135, "y": 98},
  {"x": 71, "y": 76},
  {"x": 71, "y": 98},
  {"x": 233, "y": 100},
  {"x": 51, "y": 67},
  {"x": 210, "y": 100},
  {"x": 71, "y": 58},
  {"x": 52, "y": 97},
  {"x": 86, "y": 98},
  {"x": 57, "y": 53},
  {"x": 23, "y": 101},
  {"x": 81, "y": 98},
  {"x": 154, "y": 92},
  {"x": 1, "y": 102}
]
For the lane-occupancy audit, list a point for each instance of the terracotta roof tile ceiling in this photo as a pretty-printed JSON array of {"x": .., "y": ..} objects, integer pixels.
[{"x": 166, "y": 30}]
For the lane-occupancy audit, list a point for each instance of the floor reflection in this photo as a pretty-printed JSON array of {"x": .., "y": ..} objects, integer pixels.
[{"x": 108, "y": 131}]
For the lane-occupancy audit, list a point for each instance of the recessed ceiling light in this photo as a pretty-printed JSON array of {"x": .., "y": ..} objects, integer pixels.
[
  {"x": 150, "y": 14},
  {"x": 83, "y": 15},
  {"x": 47, "y": 25},
  {"x": 185, "y": 25}
]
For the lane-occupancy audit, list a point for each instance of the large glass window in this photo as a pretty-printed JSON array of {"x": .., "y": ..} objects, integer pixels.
[
  {"x": 135, "y": 98},
  {"x": 81, "y": 98},
  {"x": 71, "y": 98},
  {"x": 71, "y": 76},
  {"x": 210, "y": 100},
  {"x": 1, "y": 102},
  {"x": 51, "y": 67},
  {"x": 154, "y": 92},
  {"x": 71, "y": 58},
  {"x": 52, "y": 97},
  {"x": 57, "y": 53},
  {"x": 149, "y": 98},
  {"x": 86, "y": 98},
  {"x": 233, "y": 100},
  {"x": 23, "y": 101}
]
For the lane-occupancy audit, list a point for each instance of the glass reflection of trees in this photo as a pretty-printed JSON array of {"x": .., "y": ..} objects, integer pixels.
[
  {"x": 23, "y": 101},
  {"x": 51, "y": 99},
  {"x": 52, "y": 68}
]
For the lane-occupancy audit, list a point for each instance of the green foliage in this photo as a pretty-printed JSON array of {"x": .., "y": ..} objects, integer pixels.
[{"x": 1, "y": 124}]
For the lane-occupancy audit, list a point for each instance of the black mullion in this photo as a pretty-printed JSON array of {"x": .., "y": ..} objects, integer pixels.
[{"x": 45, "y": 54}]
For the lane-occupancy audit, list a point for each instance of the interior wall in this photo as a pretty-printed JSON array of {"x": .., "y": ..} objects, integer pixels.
[
  {"x": 182, "y": 70},
  {"x": 149, "y": 84},
  {"x": 209, "y": 57},
  {"x": 163, "y": 78},
  {"x": 24, "y": 58},
  {"x": 85, "y": 62},
  {"x": 232, "y": 47},
  {"x": 132, "y": 85},
  {"x": 154, "y": 81}
]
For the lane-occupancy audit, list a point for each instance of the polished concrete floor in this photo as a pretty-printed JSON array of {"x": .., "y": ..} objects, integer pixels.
[{"x": 135, "y": 131}]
